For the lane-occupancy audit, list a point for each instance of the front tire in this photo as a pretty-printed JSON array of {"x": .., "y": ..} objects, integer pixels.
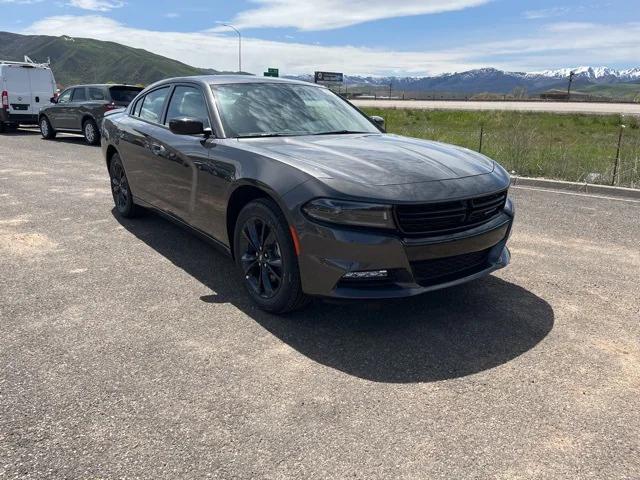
[
  {"x": 266, "y": 258},
  {"x": 91, "y": 132},
  {"x": 122, "y": 196},
  {"x": 46, "y": 130}
]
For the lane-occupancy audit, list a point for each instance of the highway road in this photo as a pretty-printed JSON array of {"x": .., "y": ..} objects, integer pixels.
[
  {"x": 558, "y": 107},
  {"x": 128, "y": 349}
]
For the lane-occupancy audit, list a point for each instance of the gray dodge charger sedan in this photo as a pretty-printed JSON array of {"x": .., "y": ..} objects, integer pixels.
[{"x": 307, "y": 194}]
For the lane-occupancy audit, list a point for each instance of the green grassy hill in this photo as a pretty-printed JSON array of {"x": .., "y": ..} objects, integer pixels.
[
  {"x": 83, "y": 60},
  {"x": 625, "y": 91}
]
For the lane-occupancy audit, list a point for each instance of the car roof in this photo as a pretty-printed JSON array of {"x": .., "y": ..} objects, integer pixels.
[
  {"x": 108, "y": 85},
  {"x": 231, "y": 79}
]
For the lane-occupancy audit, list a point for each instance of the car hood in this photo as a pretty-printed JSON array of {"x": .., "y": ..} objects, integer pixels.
[{"x": 373, "y": 159}]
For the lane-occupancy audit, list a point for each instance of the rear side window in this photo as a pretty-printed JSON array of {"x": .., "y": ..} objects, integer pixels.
[
  {"x": 188, "y": 102},
  {"x": 152, "y": 104},
  {"x": 96, "y": 93},
  {"x": 79, "y": 95},
  {"x": 124, "y": 95}
]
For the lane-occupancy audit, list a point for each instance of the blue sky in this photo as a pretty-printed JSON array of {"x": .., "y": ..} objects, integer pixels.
[{"x": 377, "y": 37}]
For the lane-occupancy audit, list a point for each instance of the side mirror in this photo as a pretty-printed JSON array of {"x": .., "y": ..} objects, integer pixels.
[
  {"x": 53, "y": 99},
  {"x": 379, "y": 122},
  {"x": 186, "y": 126}
]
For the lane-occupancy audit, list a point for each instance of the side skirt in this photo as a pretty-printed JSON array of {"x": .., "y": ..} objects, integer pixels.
[{"x": 178, "y": 221}]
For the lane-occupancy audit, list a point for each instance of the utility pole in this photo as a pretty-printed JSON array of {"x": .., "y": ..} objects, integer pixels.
[
  {"x": 239, "y": 43},
  {"x": 390, "y": 85},
  {"x": 571, "y": 75}
]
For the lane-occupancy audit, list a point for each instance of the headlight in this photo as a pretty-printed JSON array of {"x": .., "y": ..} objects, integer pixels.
[{"x": 350, "y": 213}]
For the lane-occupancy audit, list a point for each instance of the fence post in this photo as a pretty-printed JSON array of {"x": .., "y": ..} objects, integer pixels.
[
  {"x": 481, "y": 136},
  {"x": 616, "y": 166}
]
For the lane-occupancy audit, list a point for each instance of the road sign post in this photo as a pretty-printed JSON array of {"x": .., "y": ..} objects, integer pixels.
[{"x": 328, "y": 77}]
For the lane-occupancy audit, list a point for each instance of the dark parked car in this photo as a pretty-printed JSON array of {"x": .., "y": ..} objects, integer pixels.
[
  {"x": 80, "y": 109},
  {"x": 308, "y": 195}
]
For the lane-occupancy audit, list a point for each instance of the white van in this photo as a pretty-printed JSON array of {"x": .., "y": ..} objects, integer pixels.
[{"x": 25, "y": 88}]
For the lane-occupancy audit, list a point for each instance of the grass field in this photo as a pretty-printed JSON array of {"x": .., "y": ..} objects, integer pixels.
[{"x": 560, "y": 146}]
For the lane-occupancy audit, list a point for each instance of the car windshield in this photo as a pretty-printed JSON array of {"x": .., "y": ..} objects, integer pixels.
[
  {"x": 124, "y": 94},
  {"x": 274, "y": 109}
]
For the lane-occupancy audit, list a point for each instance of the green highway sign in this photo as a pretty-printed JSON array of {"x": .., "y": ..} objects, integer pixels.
[{"x": 272, "y": 72}]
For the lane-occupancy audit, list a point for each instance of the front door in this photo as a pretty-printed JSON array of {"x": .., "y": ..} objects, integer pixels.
[
  {"x": 181, "y": 156},
  {"x": 56, "y": 112}
]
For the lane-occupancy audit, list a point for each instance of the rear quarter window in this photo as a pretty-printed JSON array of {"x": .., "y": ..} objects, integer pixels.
[
  {"x": 96, "y": 93},
  {"x": 124, "y": 95}
]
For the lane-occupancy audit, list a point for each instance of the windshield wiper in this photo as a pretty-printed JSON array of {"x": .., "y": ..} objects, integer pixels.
[
  {"x": 339, "y": 132},
  {"x": 267, "y": 135}
]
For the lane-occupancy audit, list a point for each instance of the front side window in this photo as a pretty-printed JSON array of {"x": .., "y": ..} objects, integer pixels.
[
  {"x": 79, "y": 95},
  {"x": 188, "y": 102},
  {"x": 263, "y": 109},
  {"x": 152, "y": 104},
  {"x": 65, "y": 97}
]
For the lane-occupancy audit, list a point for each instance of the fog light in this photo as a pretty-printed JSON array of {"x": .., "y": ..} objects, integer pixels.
[{"x": 366, "y": 274}]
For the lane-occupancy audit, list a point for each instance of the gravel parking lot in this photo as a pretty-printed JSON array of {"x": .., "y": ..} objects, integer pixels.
[{"x": 129, "y": 350}]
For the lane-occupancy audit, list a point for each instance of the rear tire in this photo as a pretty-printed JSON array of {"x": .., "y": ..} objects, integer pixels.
[
  {"x": 91, "y": 132},
  {"x": 122, "y": 196},
  {"x": 266, "y": 258},
  {"x": 46, "y": 130}
]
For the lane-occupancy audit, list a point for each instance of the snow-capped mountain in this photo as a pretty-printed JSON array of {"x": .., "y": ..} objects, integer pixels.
[
  {"x": 496, "y": 81},
  {"x": 594, "y": 73}
]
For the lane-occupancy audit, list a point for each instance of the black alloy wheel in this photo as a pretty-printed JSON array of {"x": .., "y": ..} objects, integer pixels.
[
  {"x": 261, "y": 257},
  {"x": 266, "y": 257},
  {"x": 122, "y": 196}
]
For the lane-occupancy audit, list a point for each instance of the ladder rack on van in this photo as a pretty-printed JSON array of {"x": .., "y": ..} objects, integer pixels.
[{"x": 26, "y": 64}]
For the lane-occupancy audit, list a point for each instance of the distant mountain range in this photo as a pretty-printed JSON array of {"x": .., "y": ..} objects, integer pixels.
[
  {"x": 84, "y": 60},
  {"x": 491, "y": 80}
]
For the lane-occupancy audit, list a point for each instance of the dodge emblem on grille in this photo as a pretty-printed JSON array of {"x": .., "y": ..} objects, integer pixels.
[{"x": 19, "y": 99}]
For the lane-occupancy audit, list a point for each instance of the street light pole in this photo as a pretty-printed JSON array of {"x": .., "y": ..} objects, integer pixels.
[{"x": 239, "y": 44}]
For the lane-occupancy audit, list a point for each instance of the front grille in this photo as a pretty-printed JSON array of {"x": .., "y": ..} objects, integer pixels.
[
  {"x": 441, "y": 270},
  {"x": 431, "y": 219}
]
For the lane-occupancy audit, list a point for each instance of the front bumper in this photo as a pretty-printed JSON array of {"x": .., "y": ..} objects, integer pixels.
[{"x": 415, "y": 265}]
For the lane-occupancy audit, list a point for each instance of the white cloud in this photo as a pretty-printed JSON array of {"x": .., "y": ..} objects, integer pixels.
[
  {"x": 97, "y": 5},
  {"x": 328, "y": 14},
  {"x": 546, "y": 13},
  {"x": 556, "y": 45}
]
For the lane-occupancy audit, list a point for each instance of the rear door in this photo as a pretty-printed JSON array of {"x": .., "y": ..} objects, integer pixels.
[
  {"x": 43, "y": 87},
  {"x": 138, "y": 134},
  {"x": 18, "y": 86}
]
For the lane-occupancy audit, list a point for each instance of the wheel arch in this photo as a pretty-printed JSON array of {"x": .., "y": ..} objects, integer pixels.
[
  {"x": 111, "y": 151},
  {"x": 242, "y": 195},
  {"x": 86, "y": 117}
]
